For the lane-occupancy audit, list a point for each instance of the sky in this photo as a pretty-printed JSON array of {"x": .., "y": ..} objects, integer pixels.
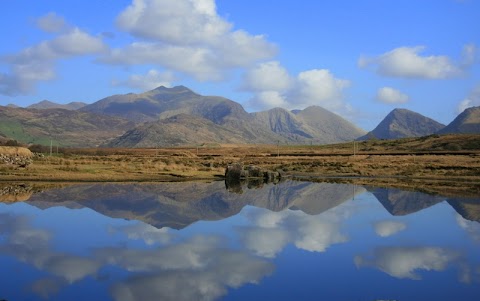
[{"x": 359, "y": 59}]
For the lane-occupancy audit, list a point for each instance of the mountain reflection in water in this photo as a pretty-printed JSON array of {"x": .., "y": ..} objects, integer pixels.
[{"x": 198, "y": 241}]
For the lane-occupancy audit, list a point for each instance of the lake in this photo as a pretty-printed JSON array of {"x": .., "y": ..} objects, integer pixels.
[{"x": 199, "y": 241}]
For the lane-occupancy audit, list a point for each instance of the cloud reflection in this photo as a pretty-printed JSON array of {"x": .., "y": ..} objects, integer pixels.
[
  {"x": 273, "y": 231},
  {"x": 198, "y": 269},
  {"x": 388, "y": 228},
  {"x": 472, "y": 228},
  {"x": 403, "y": 262},
  {"x": 149, "y": 234},
  {"x": 32, "y": 246}
]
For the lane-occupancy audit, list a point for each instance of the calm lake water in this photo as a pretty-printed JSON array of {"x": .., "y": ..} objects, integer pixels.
[{"x": 198, "y": 241}]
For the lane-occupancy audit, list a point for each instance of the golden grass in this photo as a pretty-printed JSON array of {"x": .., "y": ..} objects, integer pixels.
[
  {"x": 15, "y": 151},
  {"x": 210, "y": 163}
]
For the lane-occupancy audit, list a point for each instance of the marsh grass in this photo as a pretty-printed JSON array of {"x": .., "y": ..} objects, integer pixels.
[{"x": 409, "y": 158}]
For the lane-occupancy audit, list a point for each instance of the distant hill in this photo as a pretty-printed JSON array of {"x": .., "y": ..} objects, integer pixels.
[
  {"x": 273, "y": 126},
  {"x": 468, "y": 122},
  {"x": 402, "y": 123},
  {"x": 162, "y": 103},
  {"x": 182, "y": 129},
  {"x": 64, "y": 127},
  {"x": 313, "y": 124},
  {"x": 46, "y": 104},
  {"x": 215, "y": 119}
]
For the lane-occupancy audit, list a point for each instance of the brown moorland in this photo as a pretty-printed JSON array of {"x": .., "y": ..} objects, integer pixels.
[{"x": 446, "y": 159}]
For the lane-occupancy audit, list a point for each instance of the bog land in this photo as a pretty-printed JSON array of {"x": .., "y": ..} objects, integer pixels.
[{"x": 444, "y": 161}]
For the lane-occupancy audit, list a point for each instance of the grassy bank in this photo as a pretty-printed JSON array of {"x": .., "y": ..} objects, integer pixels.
[{"x": 450, "y": 157}]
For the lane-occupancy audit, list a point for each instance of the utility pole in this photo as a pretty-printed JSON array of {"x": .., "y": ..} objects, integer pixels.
[{"x": 51, "y": 145}]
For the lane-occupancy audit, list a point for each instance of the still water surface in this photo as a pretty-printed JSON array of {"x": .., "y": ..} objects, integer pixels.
[{"x": 198, "y": 241}]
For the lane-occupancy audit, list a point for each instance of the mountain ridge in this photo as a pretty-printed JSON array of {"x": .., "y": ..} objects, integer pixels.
[
  {"x": 175, "y": 116},
  {"x": 402, "y": 123},
  {"x": 467, "y": 122}
]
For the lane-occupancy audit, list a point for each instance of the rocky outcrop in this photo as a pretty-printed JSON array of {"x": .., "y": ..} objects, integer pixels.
[
  {"x": 236, "y": 175},
  {"x": 18, "y": 156}
]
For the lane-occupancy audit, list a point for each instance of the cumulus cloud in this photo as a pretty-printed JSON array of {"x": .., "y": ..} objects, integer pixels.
[
  {"x": 273, "y": 231},
  {"x": 51, "y": 22},
  {"x": 171, "y": 21},
  {"x": 472, "y": 100},
  {"x": 268, "y": 76},
  {"x": 469, "y": 55},
  {"x": 265, "y": 242},
  {"x": 391, "y": 96},
  {"x": 198, "y": 269},
  {"x": 388, "y": 228},
  {"x": 407, "y": 62},
  {"x": 472, "y": 228},
  {"x": 274, "y": 87},
  {"x": 152, "y": 79},
  {"x": 403, "y": 262},
  {"x": 321, "y": 87},
  {"x": 188, "y": 37},
  {"x": 37, "y": 63},
  {"x": 32, "y": 246}
]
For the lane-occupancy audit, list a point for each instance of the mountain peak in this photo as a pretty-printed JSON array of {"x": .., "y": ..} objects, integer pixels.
[
  {"x": 467, "y": 122},
  {"x": 176, "y": 89},
  {"x": 401, "y": 123}
]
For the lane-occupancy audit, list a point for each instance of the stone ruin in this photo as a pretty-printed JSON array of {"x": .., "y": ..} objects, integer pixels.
[
  {"x": 16, "y": 156},
  {"x": 237, "y": 175}
]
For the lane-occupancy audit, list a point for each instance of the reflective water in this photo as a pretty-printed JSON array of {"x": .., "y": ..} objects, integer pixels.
[{"x": 198, "y": 241}]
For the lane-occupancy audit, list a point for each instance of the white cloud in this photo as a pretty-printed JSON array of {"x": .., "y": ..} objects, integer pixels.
[
  {"x": 472, "y": 100},
  {"x": 319, "y": 87},
  {"x": 269, "y": 99},
  {"x": 388, "y": 228},
  {"x": 37, "y": 63},
  {"x": 51, "y": 22},
  {"x": 402, "y": 262},
  {"x": 274, "y": 87},
  {"x": 407, "y": 62},
  {"x": 391, "y": 96},
  {"x": 472, "y": 228},
  {"x": 149, "y": 234},
  {"x": 268, "y": 76},
  {"x": 265, "y": 242},
  {"x": 32, "y": 246},
  {"x": 186, "y": 36},
  {"x": 469, "y": 55},
  {"x": 198, "y": 269},
  {"x": 271, "y": 232},
  {"x": 179, "y": 22},
  {"x": 152, "y": 79}
]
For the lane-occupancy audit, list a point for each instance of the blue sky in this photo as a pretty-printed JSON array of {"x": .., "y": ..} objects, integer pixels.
[{"x": 360, "y": 59}]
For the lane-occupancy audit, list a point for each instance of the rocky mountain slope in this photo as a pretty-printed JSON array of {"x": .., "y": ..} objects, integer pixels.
[
  {"x": 468, "y": 122},
  {"x": 401, "y": 123},
  {"x": 212, "y": 119},
  {"x": 162, "y": 103},
  {"x": 64, "y": 127}
]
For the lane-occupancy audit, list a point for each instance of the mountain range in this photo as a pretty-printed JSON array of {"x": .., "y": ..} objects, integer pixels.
[{"x": 178, "y": 116}]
